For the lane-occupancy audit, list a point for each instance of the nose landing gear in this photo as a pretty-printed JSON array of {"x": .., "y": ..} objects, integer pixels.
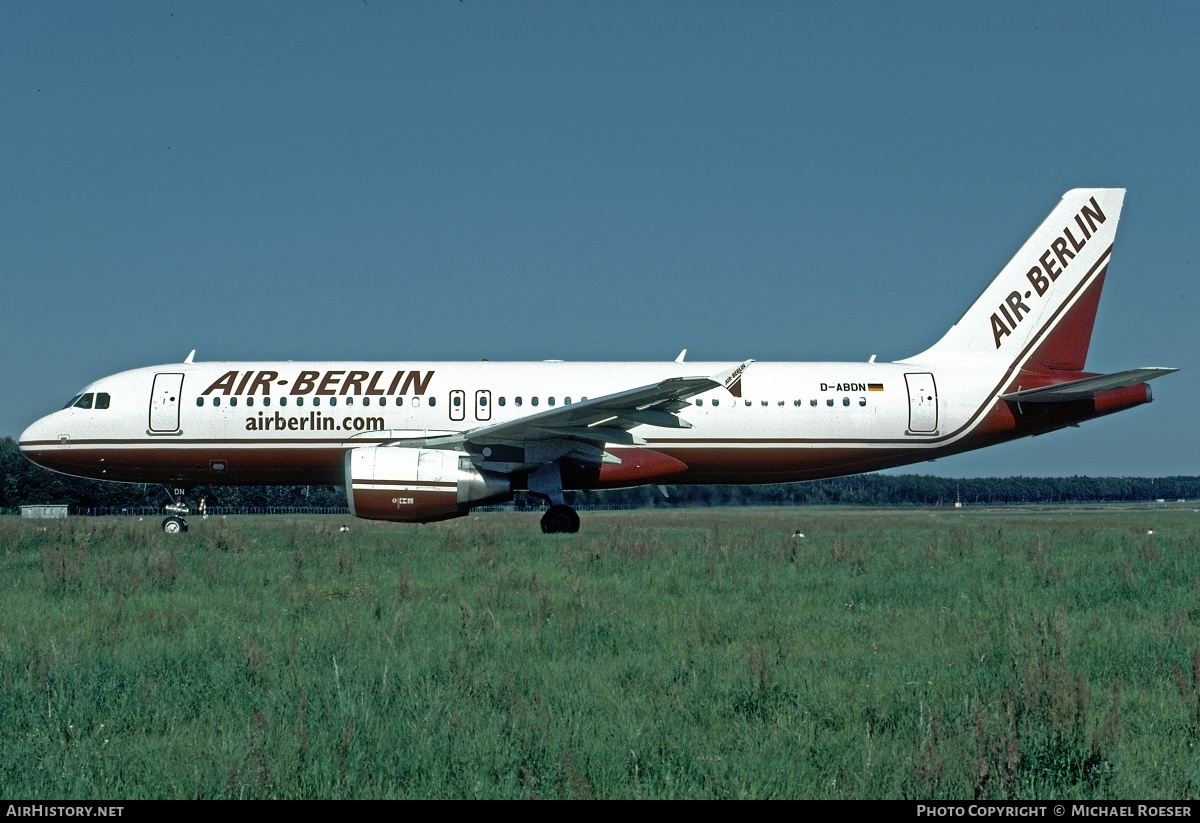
[
  {"x": 174, "y": 525},
  {"x": 175, "y": 522}
]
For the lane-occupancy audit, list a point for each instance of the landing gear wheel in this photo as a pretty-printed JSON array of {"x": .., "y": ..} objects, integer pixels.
[
  {"x": 174, "y": 525},
  {"x": 560, "y": 519}
]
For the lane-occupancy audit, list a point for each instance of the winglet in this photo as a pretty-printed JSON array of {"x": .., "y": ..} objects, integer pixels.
[
  {"x": 732, "y": 379},
  {"x": 191, "y": 354},
  {"x": 682, "y": 354}
]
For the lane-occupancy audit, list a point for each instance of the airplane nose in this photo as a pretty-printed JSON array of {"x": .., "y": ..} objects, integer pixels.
[
  {"x": 27, "y": 438},
  {"x": 37, "y": 441}
]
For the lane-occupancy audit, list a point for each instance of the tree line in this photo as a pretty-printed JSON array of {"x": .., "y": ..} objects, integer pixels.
[{"x": 23, "y": 483}]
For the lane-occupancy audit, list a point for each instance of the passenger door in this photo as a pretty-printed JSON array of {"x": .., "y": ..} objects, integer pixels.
[{"x": 164, "y": 403}]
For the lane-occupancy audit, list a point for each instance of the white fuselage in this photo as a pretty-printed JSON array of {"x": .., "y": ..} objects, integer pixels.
[{"x": 291, "y": 422}]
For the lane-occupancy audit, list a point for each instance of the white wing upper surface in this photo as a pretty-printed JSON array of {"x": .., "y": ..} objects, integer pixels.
[{"x": 583, "y": 428}]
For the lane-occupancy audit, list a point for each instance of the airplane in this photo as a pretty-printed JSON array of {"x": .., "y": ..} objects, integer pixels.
[{"x": 427, "y": 441}]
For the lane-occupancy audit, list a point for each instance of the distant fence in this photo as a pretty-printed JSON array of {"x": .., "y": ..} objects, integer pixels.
[
  {"x": 157, "y": 511},
  {"x": 512, "y": 507}
]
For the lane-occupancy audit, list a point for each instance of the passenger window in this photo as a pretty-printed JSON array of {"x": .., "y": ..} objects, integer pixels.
[
  {"x": 457, "y": 401},
  {"x": 216, "y": 401},
  {"x": 349, "y": 401},
  {"x": 829, "y": 402},
  {"x": 549, "y": 401},
  {"x": 748, "y": 403},
  {"x": 266, "y": 401},
  {"x": 798, "y": 402},
  {"x": 415, "y": 403},
  {"x": 432, "y": 402},
  {"x": 84, "y": 401},
  {"x": 765, "y": 403},
  {"x": 812, "y": 402},
  {"x": 249, "y": 401},
  {"x": 399, "y": 401},
  {"x": 299, "y": 401},
  {"x": 317, "y": 401},
  {"x": 566, "y": 401},
  {"x": 233, "y": 401},
  {"x": 862, "y": 401},
  {"x": 533, "y": 401},
  {"x": 199, "y": 401},
  {"x": 845, "y": 401},
  {"x": 716, "y": 401},
  {"x": 283, "y": 401},
  {"x": 332, "y": 401},
  {"x": 699, "y": 402},
  {"x": 501, "y": 401}
]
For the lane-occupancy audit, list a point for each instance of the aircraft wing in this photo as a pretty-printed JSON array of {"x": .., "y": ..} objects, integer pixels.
[
  {"x": 1086, "y": 388},
  {"x": 589, "y": 423}
]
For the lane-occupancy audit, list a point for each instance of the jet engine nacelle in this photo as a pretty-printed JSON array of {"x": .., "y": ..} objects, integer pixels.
[{"x": 417, "y": 485}]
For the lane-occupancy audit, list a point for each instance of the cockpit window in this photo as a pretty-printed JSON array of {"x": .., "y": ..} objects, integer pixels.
[
  {"x": 84, "y": 401},
  {"x": 72, "y": 401},
  {"x": 102, "y": 400}
]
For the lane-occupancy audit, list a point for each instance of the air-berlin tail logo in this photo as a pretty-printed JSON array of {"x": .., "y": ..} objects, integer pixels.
[{"x": 1053, "y": 262}]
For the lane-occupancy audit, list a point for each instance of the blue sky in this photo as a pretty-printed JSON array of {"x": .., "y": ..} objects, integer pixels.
[{"x": 588, "y": 181}]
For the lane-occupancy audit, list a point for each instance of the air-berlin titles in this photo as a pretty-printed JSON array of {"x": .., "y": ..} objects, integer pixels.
[
  {"x": 1054, "y": 261},
  {"x": 328, "y": 383}
]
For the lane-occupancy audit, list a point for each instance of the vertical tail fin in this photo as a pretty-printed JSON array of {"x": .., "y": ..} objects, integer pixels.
[{"x": 1042, "y": 305}]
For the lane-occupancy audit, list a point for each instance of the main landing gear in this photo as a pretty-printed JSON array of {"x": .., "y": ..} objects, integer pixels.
[
  {"x": 546, "y": 483},
  {"x": 175, "y": 522},
  {"x": 560, "y": 519}
]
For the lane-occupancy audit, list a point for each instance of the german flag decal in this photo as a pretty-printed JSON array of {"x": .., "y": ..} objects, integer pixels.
[{"x": 874, "y": 387}]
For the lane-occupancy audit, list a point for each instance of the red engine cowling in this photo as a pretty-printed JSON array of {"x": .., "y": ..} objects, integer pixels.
[{"x": 417, "y": 485}]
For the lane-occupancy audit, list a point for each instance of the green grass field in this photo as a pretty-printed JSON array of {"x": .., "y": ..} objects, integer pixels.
[{"x": 689, "y": 653}]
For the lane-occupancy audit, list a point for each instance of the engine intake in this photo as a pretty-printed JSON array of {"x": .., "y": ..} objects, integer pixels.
[{"x": 417, "y": 485}]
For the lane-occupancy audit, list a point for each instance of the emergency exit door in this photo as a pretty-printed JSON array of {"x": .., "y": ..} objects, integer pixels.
[{"x": 458, "y": 403}]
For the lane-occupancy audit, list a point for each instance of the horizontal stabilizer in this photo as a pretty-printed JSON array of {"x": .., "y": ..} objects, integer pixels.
[{"x": 1087, "y": 388}]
